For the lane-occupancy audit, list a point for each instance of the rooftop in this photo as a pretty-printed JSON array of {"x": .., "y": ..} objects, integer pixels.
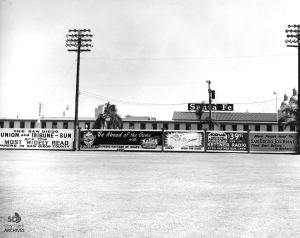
[
  {"x": 139, "y": 118},
  {"x": 227, "y": 116},
  {"x": 177, "y": 116}
]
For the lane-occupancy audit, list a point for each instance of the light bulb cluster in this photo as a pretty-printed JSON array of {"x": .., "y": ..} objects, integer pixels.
[
  {"x": 79, "y": 35},
  {"x": 295, "y": 38},
  {"x": 78, "y": 40},
  {"x": 292, "y": 41},
  {"x": 77, "y": 30},
  {"x": 69, "y": 45},
  {"x": 291, "y": 31},
  {"x": 81, "y": 45}
]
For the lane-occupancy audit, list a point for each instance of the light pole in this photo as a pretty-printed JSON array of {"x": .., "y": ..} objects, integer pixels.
[
  {"x": 40, "y": 110},
  {"x": 78, "y": 40},
  {"x": 295, "y": 38},
  {"x": 276, "y": 111}
]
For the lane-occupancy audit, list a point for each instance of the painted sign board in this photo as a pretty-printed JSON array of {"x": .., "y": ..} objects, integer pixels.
[
  {"x": 121, "y": 140},
  {"x": 273, "y": 142},
  {"x": 57, "y": 139},
  {"x": 184, "y": 141},
  {"x": 214, "y": 107},
  {"x": 227, "y": 141}
]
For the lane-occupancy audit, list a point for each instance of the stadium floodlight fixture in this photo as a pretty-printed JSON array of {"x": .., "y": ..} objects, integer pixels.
[{"x": 293, "y": 38}]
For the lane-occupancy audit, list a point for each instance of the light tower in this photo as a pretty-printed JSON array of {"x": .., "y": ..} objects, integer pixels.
[{"x": 78, "y": 40}]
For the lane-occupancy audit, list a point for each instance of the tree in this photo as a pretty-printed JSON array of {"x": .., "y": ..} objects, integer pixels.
[
  {"x": 109, "y": 113},
  {"x": 290, "y": 116},
  {"x": 200, "y": 113}
]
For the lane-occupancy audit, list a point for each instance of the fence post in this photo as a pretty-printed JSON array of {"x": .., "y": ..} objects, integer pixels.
[
  {"x": 298, "y": 140},
  {"x": 205, "y": 140},
  {"x": 78, "y": 138},
  {"x": 163, "y": 139},
  {"x": 248, "y": 141}
]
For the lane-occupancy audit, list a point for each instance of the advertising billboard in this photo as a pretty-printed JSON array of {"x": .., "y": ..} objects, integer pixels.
[
  {"x": 121, "y": 140},
  {"x": 184, "y": 141},
  {"x": 58, "y": 139},
  {"x": 273, "y": 142},
  {"x": 227, "y": 141}
]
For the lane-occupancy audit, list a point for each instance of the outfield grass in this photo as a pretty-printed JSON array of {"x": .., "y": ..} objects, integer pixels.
[{"x": 115, "y": 194}]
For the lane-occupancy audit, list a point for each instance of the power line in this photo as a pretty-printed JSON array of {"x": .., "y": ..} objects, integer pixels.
[
  {"x": 189, "y": 58},
  {"x": 98, "y": 97},
  {"x": 139, "y": 85},
  {"x": 59, "y": 82},
  {"x": 120, "y": 101},
  {"x": 179, "y": 83},
  {"x": 261, "y": 102}
]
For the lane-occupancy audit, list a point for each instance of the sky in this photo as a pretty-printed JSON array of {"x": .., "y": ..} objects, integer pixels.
[{"x": 150, "y": 58}]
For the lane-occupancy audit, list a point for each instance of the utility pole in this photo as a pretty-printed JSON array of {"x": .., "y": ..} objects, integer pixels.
[
  {"x": 39, "y": 120},
  {"x": 40, "y": 109},
  {"x": 295, "y": 38},
  {"x": 78, "y": 40},
  {"x": 209, "y": 101}
]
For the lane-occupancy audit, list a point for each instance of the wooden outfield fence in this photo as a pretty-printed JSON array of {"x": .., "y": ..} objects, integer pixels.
[{"x": 151, "y": 140}]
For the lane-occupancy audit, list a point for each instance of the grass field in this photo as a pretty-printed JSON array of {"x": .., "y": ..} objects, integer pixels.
[{"x": 115, "y": 194}]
